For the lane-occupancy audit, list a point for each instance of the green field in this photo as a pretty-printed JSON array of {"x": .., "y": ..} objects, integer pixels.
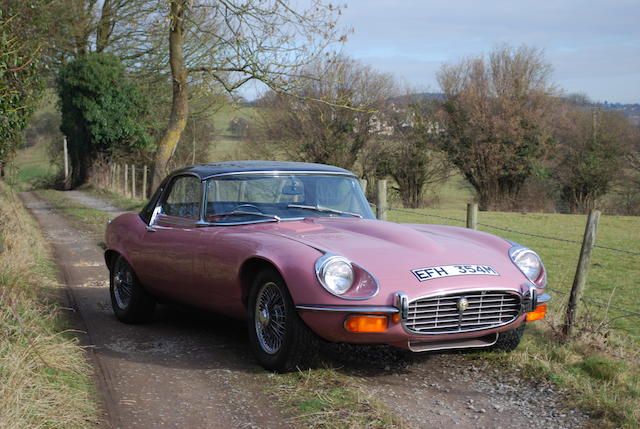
[
  {"x": 31, "y": 167},
  {"x": 613, "y": 276},
  {"x": 227, "y": 147}
]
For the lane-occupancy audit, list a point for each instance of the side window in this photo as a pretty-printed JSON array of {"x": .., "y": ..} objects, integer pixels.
[{"x": 184, "y": 198}]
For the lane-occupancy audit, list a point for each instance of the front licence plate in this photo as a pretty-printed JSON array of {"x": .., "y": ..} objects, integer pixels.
[{"x": 430, "y": 273}]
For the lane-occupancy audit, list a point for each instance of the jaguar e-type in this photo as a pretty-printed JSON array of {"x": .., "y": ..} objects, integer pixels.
[{"x": 295, "y": 249}]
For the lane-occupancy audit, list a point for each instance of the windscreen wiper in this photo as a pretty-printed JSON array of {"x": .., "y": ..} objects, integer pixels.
[
  {"x": 322, "y": 209},
  {"x": 273, "y": 218}
]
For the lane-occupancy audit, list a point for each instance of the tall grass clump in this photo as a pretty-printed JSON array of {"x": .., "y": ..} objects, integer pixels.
[{"x": 45, "y": 380}]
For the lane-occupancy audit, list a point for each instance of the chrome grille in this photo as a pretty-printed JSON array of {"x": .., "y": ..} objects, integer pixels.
[{"x": 485, "y": 310}]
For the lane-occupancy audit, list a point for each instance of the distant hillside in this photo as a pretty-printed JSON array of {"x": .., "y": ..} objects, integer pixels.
[{"x": 631, "y": 111}]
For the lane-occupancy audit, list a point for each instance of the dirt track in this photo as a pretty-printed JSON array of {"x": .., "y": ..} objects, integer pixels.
[
  {"x": 185, "y": 370},
  {"x": 192, "y": 370}
]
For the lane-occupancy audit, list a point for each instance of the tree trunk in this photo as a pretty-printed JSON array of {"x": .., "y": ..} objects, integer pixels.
[
  {"x": 179, "y": 107},
  {"x": 105, "y": 26}
]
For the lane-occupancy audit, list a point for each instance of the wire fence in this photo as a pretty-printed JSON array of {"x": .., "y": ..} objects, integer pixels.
[
  {"x": 596, "y": 302},
  {"x": 514, "y": 231}
]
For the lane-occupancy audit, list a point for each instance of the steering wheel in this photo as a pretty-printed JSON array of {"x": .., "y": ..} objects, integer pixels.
[{"x": 246, "y": 206}]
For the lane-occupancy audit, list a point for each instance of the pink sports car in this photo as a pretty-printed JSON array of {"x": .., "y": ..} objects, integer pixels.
[{"x": 296, "y": 250}]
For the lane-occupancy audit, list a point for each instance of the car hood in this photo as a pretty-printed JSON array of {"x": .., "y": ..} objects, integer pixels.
[{"x": 391, "y": 251}]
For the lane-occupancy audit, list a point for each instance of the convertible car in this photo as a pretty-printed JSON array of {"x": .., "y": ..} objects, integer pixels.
[{"x": 295, "y": 249}]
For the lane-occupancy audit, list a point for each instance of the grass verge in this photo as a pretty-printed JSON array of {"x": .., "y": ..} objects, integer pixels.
[
  {"x": 324, "y": 398},
  {"x": 45, "y": 380}
]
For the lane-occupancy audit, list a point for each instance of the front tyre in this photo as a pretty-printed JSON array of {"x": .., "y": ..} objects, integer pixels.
[
  {"x": 509, "y": 340},
  {"x": 279, "y": 339},
  {"x": 130, "y": 302}
]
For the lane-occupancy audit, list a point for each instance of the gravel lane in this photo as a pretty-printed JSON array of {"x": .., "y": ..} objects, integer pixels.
[
  {"x": 184, "y": 370},
  {"x": 450, "y": 391}
]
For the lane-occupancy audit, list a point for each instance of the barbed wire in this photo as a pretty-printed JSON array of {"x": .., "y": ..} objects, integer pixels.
[
  {"x": 500, "y": 228},
  {"x": 426, "y": 214},
  {"x": 597, "y": 302}
]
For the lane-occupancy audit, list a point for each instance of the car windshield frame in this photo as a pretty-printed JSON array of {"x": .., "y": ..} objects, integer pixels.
[{"x": 297, "y": 192}]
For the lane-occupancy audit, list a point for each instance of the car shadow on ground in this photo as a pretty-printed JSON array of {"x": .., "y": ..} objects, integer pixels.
[{"x": 192, "y": 338}]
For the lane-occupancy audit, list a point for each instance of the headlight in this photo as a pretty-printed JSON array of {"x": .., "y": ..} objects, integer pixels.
[
  {"x": 529, "y": 263},
  {"x": 335, "y": 273}
]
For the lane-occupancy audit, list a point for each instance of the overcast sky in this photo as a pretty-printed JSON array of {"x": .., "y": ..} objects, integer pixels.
[{"x": 594, "y": 46}]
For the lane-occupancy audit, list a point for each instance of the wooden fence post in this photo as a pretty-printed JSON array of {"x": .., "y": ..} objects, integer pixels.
[
  {"x": 472, "y": 216},
  {"x": 66, "y": 160},
  {"x": 144, "y": 183},
  {"x": 133, "y": 182},
  {"x": 580, "y": 279},
  {"x": 381, "y": 200},
  {"x": 126, "y": 180}
]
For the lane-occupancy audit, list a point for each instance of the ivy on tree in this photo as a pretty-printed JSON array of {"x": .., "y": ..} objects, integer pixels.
[{"x": 102, "y": 111}]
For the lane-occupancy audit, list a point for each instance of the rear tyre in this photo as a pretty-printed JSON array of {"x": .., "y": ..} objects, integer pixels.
[
  {"x": 279, "y": 339},
  {"x": 130, "y": 302},
  {"x": 509, "y": 340}
]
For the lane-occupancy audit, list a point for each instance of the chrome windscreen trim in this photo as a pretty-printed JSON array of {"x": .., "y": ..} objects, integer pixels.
[
  {"x": 348, "y": 308},
  {"x": 279, "y": 173}
]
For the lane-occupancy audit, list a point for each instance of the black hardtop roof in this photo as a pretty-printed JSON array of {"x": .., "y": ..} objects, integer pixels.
[{"x": 216, "y": 168}]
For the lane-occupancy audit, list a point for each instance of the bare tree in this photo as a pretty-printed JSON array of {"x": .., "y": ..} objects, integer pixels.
[
  {"x": 330, "y": 119},
  {"x": 232, "y": 43},
  {"x": 497, "y": 111},
  {"x": 126, "y": 28},
  {"x": 412, "y": 154}
]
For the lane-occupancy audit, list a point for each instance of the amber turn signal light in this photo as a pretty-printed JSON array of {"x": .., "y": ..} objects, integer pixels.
[
  {"x": 537, "y": 314},
  {"x": 366, "y": 324}
]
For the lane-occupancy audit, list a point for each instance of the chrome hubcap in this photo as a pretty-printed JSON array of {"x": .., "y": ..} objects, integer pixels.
[
  {"x": 270, "y": 318},
  {"x": 263, "y": 316},
  {"x": 122, "y": 286}
]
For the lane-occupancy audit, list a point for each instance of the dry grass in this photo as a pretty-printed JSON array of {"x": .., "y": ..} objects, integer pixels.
[
  {"x": 44, "y": 376},
  {"x": 324, "y": 398}
]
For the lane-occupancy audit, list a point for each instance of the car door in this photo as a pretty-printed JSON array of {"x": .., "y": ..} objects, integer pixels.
[{"x": 166, "y": 247}]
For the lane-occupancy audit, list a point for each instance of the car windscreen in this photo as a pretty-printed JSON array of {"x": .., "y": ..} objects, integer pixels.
[{"x": 256, "y": 197}]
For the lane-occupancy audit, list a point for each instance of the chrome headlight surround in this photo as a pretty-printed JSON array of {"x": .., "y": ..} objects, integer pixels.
[
  {"x": 335, "y": 273},
  {"x": 529, "y": 263}
]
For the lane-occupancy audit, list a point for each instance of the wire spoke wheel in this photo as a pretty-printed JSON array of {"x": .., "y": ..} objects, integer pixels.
[
  {"x": 270, "y": 318},
  {"x": 130, "y": 302},
  {"x": 123, "y": 285}
]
